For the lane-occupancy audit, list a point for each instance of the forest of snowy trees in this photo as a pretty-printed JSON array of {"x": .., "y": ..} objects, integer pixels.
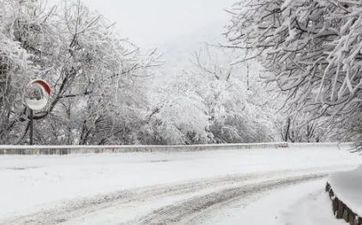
[{"x": 288, "y": 71}]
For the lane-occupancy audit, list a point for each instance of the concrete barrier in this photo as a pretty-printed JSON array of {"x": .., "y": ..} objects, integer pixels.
[
  {"x": 84, "y": 149},
  {"x": 81, "y": 149}
]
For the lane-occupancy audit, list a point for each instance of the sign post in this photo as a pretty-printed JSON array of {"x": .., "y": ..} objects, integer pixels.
[
  {"x": 36, "y": 97},
  {"x": 31, "y": 127}
]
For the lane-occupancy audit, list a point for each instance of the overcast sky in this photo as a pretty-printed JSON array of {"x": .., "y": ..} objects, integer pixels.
[
  {"x": 176, "y": 27},
  {"x": 156, "y": 22}
]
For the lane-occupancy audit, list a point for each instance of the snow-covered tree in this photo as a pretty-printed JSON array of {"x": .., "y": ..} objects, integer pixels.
[
  {"x": 15, "y": 69},
  {"x": 97, "y": 77},
  {"x": 311, "y": 47},
  {"x": 213, "y": 102},
  {"x": 179, "y": 117},
  {"x": 239, "y": 106}
]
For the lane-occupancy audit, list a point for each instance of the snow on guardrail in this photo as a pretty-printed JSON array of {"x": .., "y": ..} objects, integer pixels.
[
  {"x": 80, "y": 149},
  {"x": 344, "y": 190},
  {"x": 322, "y": 144}
]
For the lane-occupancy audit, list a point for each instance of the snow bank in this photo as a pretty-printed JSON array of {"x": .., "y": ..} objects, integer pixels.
[{"x": 346, "y": 190}]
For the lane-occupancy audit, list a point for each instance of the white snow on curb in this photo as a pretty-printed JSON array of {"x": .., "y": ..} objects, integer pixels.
[{"x": 347, "y": 186}]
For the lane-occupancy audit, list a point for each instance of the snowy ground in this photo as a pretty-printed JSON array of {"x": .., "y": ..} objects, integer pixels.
[
  {"x": 347, "y": 187},
  {"x": 276, "y": 186}
]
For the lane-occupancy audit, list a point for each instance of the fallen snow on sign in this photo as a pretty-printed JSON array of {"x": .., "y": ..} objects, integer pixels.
[
  {"x": 347, "y": 187},
  {"x": 33, "y": 183}
]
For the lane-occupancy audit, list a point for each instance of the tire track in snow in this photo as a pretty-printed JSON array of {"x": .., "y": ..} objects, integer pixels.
[
  {"x": 232, "y": 187},
  {"x": 75, "y": 208},
  {"x": 188, "y": 209}
]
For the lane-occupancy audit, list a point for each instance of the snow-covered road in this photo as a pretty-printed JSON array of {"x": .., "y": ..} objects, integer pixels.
[{"x": 209, "y": 187}]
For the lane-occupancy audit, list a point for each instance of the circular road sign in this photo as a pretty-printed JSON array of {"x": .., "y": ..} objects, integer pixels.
[{"x": 36, "y": 95}]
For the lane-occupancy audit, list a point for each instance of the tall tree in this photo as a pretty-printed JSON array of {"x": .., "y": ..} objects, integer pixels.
[
  {"x": 213, "y": 102},
  {"x": 97, "y": 77},
  {"x": 312, "y": 48},
  {"x": 239, "y": 106}
]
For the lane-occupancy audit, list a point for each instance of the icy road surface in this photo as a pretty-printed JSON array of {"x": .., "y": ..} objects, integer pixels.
[{"x": 276, "y": 186}]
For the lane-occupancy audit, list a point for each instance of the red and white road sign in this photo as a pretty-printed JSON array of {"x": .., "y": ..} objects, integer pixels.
[{"x": 37, "y": 94}]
